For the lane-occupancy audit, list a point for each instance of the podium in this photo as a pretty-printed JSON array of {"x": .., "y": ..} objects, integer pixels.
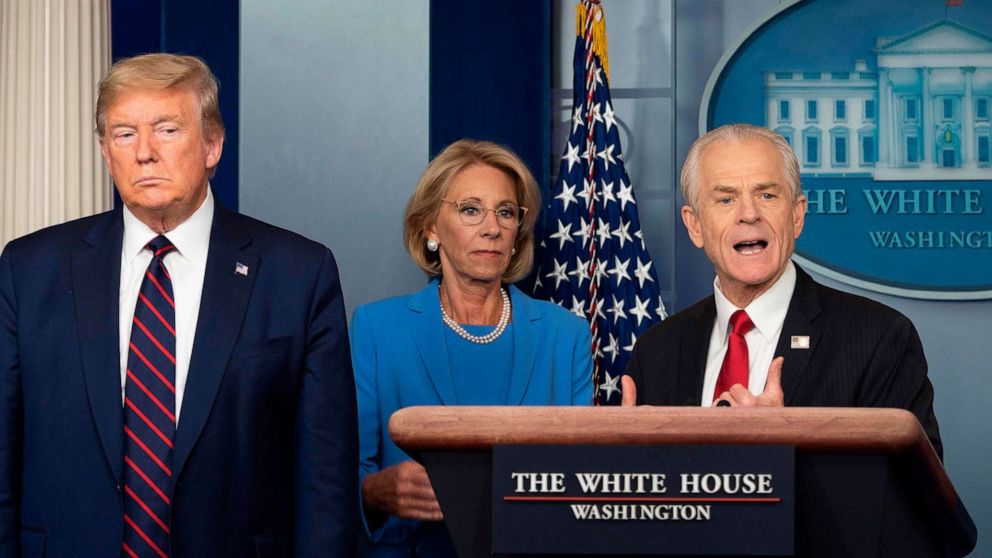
[{"x": 867, "y": 481}]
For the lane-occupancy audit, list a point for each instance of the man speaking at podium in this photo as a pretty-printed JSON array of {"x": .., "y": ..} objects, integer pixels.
[{"x": 770, "y": 335}]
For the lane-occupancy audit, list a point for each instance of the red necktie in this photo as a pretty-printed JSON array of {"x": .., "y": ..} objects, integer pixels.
[
  {"x": 735, "y": 362},
  {"x": 149, "y": 412}
]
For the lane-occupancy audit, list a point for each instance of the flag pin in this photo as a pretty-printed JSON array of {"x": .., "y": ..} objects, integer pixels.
[
  {"x": 241, "y": 269},
  {"x": 800, "y": 341}
]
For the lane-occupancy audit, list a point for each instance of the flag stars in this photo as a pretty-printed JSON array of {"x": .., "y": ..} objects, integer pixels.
[
  {"x": 563, "y": 235},
  {"x": 559, "y": 274},
  {"x": 607, "y": 193},
  {"x": 578, "y": 308},
  {"x": 567, "y": 195},
  {"x": 598, "y": 245},
  {"x": 607, "y": 156},
  {"x": 633, "y": 341},
  {"x": 571, "y": 155},
  {"x": 608, "y": 117},
  {"x": 577, "y": 119},
  {"x": 597, "y": 310},
  {"x": 643, "y": 272},
  {"x": 588, "y": 192},
  {"x": 597, "y": 74},
  {"x": 585, "y": 231},
  {"x": 596, "y": 116},
  {"x": 602, "y": 231},
  {"x": 609, "y": 385},
  {"x": 625, "y": 195},
  {"x": 622, "y": 233},
  {"x": 660, "y": 310},
  {"x": 640, "y": 309},
  {"x": 619, "y": 270},
  {"x": 613, "y": 348},
  {"x": 600, "y": 271},
  {"x": 617, "y": 310},
  {"x": 581, "y": 271}
]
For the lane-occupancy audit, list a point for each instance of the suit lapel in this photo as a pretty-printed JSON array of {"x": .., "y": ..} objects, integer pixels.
[
  {"x": 96, "y": 277},
  {"x": 525, "y": 336},
  {"x": 427, "y": 330},
  {"x": 692, "y": 364},
  {"x": 222, "y": 308},
  {"x": 803, "y": 308}
]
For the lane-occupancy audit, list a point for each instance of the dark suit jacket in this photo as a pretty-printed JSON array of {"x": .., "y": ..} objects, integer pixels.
[
  {"x": 862, "y": 354},
  {"x": 266, "y": 446}
]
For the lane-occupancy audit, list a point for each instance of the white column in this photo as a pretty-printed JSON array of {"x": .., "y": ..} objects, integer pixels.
[
  {"x": 52, "y": 55},
  {"x": 884, "y": 117},
  {"x": 968, "y": 120},
  {"x": 926, "y": 120}
]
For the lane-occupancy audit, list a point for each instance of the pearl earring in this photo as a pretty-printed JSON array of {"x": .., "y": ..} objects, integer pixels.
[
  {"x": 513, "y": 251},
  {"x": 432, "y": 245}
]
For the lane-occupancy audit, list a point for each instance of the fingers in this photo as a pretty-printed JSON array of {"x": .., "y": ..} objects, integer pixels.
[
  {"x": 403, "y": 490},
  {"x": 737, "y": 396},
  {"x": 416, "y": 498},
  {"x": 772, "y": 396},
  {"x": 629, "y": 397},
  {"x": 774, "y": 381}
]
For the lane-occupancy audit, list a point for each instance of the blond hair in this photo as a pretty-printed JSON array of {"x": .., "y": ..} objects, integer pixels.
[
  {"x": 424, "y": 204},
  {"x": 739, "y": 133},
  {"x": 162, "y": 71}
]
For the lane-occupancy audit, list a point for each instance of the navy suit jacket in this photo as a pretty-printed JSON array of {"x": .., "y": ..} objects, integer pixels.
[
  {"x": 401, "y": 360},
  {"x": 265, "y": 455},
  {"x": 861, "y": 354}
]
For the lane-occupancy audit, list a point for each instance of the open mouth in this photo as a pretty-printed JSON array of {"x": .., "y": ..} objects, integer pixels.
[{"x": 750, "y": 246}]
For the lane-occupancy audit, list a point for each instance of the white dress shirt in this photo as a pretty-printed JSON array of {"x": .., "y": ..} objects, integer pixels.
[
  {"x": 186, "y": 265},
  {"x": 767, "y": 312}
]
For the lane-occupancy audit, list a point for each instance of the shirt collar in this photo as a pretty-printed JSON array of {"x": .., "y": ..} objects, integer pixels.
[
  {"x": 767, "y": 312},
  {"x": 191, "y": 238}
]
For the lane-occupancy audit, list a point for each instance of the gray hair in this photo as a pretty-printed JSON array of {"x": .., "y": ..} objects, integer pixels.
[{"x": 739, "y": 133}]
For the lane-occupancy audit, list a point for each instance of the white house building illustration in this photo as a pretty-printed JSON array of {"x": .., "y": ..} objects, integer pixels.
[{"x": 924, "y": 115}]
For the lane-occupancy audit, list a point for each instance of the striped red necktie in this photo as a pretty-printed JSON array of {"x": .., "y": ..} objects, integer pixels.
[
  {"x": 149, "y": 412},
  {"x": 735, "y": 362}
]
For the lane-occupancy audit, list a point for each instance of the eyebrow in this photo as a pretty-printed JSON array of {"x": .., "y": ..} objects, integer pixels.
[
  {"x": 477, "y": 199},
  {"x": 761, "y": 186},
  {"x": 164, "y": 118},
  {"x": 767, "y": 185}
]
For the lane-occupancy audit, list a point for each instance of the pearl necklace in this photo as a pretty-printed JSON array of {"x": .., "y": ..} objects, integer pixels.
[{"x": 504, "y": 319}]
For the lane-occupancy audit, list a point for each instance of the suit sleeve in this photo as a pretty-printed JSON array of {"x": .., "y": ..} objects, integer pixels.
[
  {"x": 364, "y": 361},
  {"x": 897, "y": 377},
  {"x": 10, "y": 413},
  {"x": 326, "y": 428}
]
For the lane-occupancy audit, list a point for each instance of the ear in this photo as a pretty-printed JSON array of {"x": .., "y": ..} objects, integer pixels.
[
  {"x": 214, "y": 146},
  {"x": 799, "y": 215},
  {"x": 430, "y": 231},
  {"x": 692, "y": 225}
]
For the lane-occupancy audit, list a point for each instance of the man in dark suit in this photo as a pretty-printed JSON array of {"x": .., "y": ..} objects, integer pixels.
[
  {"x": 175, "y": 378},
  {"x": 770, "y": 335}
]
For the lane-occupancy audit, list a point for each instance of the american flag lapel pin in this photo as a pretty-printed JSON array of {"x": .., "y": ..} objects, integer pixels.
[
  {"x": 241, "y": 269},
  {"x": 799, "y": 341}
]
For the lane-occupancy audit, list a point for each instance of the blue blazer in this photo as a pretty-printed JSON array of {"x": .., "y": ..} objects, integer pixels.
[
  {"x": 400, "y": 360},
  {"x": 265, "y": 452}
]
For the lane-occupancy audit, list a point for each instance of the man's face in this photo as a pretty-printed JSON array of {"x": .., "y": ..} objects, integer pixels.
[
  {"x": 745, "y": 218},
  {"x": 157, "y": 155}
]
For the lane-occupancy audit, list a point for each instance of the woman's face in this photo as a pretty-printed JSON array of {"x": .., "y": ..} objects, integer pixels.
[{"x": 482, "y": 252}]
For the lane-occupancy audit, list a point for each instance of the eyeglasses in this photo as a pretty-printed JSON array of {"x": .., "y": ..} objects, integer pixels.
[{"x": 508, "y": 215}]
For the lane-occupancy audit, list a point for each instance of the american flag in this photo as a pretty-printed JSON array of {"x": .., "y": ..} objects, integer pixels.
[{"x": 593, "y": 258}]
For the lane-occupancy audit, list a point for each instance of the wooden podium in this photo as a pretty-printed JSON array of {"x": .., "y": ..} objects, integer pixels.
[{"x": 868, "y": 482}]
